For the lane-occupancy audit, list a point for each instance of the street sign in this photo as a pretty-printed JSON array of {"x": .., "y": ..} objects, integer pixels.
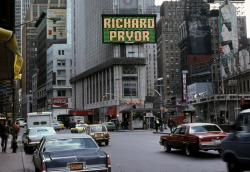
[{"x": 232, "y": 82}]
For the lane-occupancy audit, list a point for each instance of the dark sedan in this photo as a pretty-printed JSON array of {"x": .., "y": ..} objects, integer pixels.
[
  {"x": 70, "y": 152},
  {"x": 193, "y": 137}
]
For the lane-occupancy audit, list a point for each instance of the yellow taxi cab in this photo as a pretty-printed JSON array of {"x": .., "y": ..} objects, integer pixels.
[
  {"x": 79, "y": 128},
  {"x": 61, "y": 124}
]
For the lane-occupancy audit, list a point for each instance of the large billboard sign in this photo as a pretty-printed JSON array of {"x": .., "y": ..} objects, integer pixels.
[
  {"x": 233, "y": 60},
  {"x": 199, "y": 35},
  {"x": 128, "y": 28},
  {"x": 56, "y": 29}
]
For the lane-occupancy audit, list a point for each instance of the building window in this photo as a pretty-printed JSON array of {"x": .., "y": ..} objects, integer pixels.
[
  {"x": 62, "y": 52},
  {"x": 54, "y": 37},
  {"x": 61, "y": 82},
  {"x": 60, "y": 62},
  {"x": 61, "y": 93},
  {"x": 59, "y": 52},
  {"x": 61, "y": 72},
  {"x": 54, "y": 29},
  {"x": 129, "y": 89}
]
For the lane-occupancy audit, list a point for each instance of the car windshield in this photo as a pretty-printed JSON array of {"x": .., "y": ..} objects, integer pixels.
[
  {"x": 204, "y": 128},
  {"x": 242, "y": 122},
  {"x": 80, "y": 125},
  {"x": 95, "y": 129},
  {"x": 69, "y": 144}
]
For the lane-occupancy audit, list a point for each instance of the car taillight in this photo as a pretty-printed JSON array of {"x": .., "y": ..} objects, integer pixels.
[
  {"x": 108, "y": 161},
  {"x": 43, "y": 167}
]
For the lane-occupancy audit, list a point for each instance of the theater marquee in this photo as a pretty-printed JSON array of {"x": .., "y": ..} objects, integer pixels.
[{"x": 128, "y": 28}]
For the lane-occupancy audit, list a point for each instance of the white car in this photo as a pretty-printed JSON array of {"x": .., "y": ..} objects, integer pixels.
[{"x": 22, "y": 124}]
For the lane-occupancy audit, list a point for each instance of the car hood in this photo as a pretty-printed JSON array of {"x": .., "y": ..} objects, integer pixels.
[{"x": 60, "y": 159}]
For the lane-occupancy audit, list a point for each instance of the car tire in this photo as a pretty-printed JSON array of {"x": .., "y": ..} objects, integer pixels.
[
  {"x": 106, "y": 143},
  {"x": 233, "y": 166},
  {"x": 167, "y": 148},
  {"x": 188, "y": 150}
]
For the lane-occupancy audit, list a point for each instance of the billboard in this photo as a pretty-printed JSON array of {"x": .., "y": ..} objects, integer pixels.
[
  {"x": 56, "y": 30},
  {"x": 128, "y": 28},
  {"x": 233, "y": 60},
  {"x": 199, "y": 35}
]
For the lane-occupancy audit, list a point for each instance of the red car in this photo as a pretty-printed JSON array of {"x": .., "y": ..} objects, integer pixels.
[{"x": 193, "y": 137}]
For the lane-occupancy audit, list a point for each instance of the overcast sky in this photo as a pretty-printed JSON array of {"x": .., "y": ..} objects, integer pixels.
[{"x": 247, "y": 2}]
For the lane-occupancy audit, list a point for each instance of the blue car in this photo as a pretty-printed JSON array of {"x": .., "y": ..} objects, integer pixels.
[
  {"x": 56, "y": 126},
  {"x": 70, "y": 152}
]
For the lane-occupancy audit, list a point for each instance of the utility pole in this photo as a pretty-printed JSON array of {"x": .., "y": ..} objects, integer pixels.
[{"x": 131, "y": 116}]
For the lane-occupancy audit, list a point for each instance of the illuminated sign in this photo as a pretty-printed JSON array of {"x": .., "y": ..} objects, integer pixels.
[
  {"x": 184, "y": 81},
  {"x": 128, "y": 28}
]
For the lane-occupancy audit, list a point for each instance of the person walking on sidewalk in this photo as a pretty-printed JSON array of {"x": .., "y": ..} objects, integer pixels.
[
  {"x": 6, "y": 132},
  {"x": 1, "y": 131}
]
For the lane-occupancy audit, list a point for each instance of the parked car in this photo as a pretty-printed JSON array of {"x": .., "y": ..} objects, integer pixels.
[
  {"x": 61, "y": 124},
  {"x": 33, "y": 136},
  {"x": 79, "y": 128},
  {"x": 98, "y": 132},
  {"x": 56, "y": 126},
  {"x": 70, "y": 152},
  {"x": 110, "y": 126},
  {"x": 192, "y": 137},
  {"x": 21, "y": 124},
  {"x": 236, "y": 146}
]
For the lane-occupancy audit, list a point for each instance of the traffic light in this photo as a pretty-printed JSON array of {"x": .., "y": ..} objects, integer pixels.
[
  {"x": 134, "y": 106},
  {"x": 152, "y": 94},
  {"x": 104, "y": 98}
]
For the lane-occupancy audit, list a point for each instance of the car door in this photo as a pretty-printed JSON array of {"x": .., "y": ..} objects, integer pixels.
[
  {"x": 242, "y": 137},
  {"x": 173, "y": 138},
  {"x": 182, "y": 137},
  {"x": 37, "y": 155}
]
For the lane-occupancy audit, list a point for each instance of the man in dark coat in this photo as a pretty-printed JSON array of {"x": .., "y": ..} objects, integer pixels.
[{"x": 5, "y": 136}]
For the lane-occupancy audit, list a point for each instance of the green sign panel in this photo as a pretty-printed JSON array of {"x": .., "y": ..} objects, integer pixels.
[{"x": 128, "y": 28}]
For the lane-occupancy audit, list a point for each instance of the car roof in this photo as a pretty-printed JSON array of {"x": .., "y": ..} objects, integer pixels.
[
  {"x": 197, "y": 124},
  {"x": 41, "y": 128},
  {"x": 68, "y": 136},
  {"x": 245, "y": 111},
  {"x": 96, "y": 125}
]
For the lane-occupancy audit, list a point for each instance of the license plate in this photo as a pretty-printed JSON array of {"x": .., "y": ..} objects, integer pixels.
[
  {"x": 216, "y": 141},
  {"x": 76, "y": 166},
  {"x": 99, "y": 135}
]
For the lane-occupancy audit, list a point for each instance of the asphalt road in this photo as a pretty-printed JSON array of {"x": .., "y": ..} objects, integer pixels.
[{"x": 139, "y": 151}]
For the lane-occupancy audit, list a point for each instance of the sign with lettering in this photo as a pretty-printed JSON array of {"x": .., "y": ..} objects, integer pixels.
[
  {"x": 128, "y": 28},
  {"x": 59, "y": 103}
]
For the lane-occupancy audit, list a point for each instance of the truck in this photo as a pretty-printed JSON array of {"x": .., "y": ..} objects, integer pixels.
[
  {"x": 73, "y": 120},
  {"x": 39, "y": 119}
]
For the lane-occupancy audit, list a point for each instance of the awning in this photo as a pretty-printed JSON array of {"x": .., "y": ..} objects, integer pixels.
[
  {"x": 111, "y": 111},
  {"x": 140, "y": 110},
  {"x": 80, "y": 112},
  {"x": 10, "y": 63}
]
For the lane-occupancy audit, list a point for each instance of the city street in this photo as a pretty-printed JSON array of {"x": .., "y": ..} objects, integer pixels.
[{"x": 137, "y": 151}]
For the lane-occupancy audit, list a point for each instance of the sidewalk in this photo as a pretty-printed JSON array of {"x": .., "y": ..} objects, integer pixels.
[{"x": 12, "y": 162}]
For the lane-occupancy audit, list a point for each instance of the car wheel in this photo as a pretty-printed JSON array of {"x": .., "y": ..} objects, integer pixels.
[
  {"x": 232, "y": 166},
  {"x": 106, "y": 143},
  {"x": 167, "y": 148},
  {"x": 188, "y": 150}
]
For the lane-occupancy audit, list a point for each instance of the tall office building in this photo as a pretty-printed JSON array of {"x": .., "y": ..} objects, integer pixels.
[
  {"x": 29, "y": 48},
  {"x": 106, "y": 78}
]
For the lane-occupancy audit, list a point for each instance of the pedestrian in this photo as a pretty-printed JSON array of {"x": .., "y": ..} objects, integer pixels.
[
  {"x": 157, "y": 124},
  {"x": 6, "y": 132},
  {"x": 161, "y": 124},
  {"x": 145, "y": 124},
  {"x": 171, "y": 124},
  {"x": 222, "y": 119},
  {"x": 117, "y": 125},
  {"x": 1, "y": 131}
]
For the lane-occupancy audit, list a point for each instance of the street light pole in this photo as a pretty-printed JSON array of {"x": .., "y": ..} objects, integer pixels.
[
  {"x": 50, "y": 18},
  {"x": 161, "y": 107}
]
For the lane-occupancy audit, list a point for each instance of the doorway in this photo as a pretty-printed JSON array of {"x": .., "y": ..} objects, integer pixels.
[{"x": 149, "y": 122}]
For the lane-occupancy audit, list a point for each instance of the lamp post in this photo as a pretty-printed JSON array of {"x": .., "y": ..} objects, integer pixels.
[{"x": 161, "y": 107}]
